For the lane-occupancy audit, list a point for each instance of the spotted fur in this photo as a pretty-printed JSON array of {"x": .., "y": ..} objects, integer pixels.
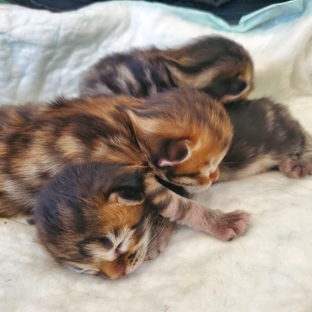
[
  {"x": 82, "y": 217},
  {"x": 265, "y": 136},
  {"x": 214, "y": 64},
  {"x": 101, "y": 218},
  {"x": 180, "y": 135},
  {"x": 93, "y": 218}
]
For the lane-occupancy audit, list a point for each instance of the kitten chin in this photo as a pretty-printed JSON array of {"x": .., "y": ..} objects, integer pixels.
[{"x": 214, "y": 64}]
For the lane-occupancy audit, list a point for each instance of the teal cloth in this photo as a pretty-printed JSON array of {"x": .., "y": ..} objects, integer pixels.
[
  {"x": 270, "y": 15},
  {"x": 275, "y": 14}
]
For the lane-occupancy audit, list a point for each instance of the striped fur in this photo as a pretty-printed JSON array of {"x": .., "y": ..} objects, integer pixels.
[
  {"x": 86, "y": 238},
  {"x": 180, "y": 135},
  {"x": 92, "y": 218},
  {"x": 102, "y": 218},
  {"x": 214, "y": 64},
  {"x": 265, "y": 134},
  {"x": 140, "y": 73}
]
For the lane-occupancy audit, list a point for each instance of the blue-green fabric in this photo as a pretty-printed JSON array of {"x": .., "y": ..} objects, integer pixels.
[{"x": 265, "y": 17}]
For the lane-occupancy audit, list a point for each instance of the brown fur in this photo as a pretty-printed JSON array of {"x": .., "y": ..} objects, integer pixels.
[
  {"x": 39, "y": 141},
  {"x": 255, "y": 122},
  {"x": 93, "y": 218},
  {"x": 265, "y": 134},
  {"x": 214, "y": 64}
]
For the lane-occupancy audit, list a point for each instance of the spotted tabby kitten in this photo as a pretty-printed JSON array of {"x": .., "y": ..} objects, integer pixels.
[
  {"x": 265, "y": 135},
  {"x": 214, "y": 64},
  {"x": 93, "y": 218},
  {"x": 180, "y": 135}
]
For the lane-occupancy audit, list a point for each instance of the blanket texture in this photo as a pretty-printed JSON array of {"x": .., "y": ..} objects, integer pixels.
[{"x": 267, "y": 269}]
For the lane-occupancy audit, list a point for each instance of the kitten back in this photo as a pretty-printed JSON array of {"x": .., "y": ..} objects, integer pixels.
[{"x": 215, "y": 64}]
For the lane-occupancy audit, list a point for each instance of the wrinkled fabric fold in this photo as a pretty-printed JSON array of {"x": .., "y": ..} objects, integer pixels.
[{"x": 268, "y": 268}]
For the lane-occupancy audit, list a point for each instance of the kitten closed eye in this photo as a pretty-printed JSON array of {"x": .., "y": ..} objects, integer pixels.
[
  {"x": 106, "y": 242},
  {"x": 130, "y": 194}
]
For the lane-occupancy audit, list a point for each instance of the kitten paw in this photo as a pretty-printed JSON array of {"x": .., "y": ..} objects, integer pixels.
[
  {"x": 294, "y": 169},
  {"x": 162, "y": 233},
  {"x": 157, "y": 248},
  {"x": 231, "y": 224}
]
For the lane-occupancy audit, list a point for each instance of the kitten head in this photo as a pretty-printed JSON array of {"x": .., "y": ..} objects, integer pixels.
[
  {"x": 216, "y": 65},
  {"x": 185, "y": 134},
  {"x": 92, "y": 219}
]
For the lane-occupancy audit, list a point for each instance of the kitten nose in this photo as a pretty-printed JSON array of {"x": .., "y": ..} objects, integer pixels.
[
  {"x": 115, "y": 269},
  {"x": 215, "y": 175},
  {"x": 121, "y": 266}
]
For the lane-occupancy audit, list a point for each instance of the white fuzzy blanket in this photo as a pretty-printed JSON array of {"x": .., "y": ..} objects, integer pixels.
[{"x": 267, "y": 269}]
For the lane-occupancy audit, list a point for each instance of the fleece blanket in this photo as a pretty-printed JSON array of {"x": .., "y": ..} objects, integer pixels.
[{"x": 269, "y": 268}]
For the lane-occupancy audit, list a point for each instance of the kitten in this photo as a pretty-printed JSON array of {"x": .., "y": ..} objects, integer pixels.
[
  {"x": 93, "y": 218},
  {"x": 83, "y": 215},
  {"x": 180, "y": 135},
  {"x": 265, "y": 136},
  {"x": 143, "y": 72},
  {"x": 90, "y": 211},
  {"x": 214, "y": 64}
]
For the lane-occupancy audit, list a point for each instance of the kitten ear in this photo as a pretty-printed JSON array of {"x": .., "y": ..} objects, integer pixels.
[{"x": 174, "y": 152}]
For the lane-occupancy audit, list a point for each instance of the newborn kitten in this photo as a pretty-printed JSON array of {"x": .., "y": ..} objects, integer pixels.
[
  {"x": 143, "y": 72},
  {"x": 93, "y": 218},
  {"x": 214, "y": 64},
  {"x": 89, "y": 212},
  {"x": 180, "y": 135},
  {"x": 265, "y": 136}
]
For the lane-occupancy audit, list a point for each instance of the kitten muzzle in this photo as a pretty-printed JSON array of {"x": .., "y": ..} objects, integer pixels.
[{"x": 114, "y": 269}]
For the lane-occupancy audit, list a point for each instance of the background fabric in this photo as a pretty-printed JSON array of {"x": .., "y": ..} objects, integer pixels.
[
  {"x": 230, "y": 10},
  {"x": 267, "y": 269}
]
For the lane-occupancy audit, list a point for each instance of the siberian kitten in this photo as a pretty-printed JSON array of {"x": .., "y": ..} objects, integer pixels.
[
  {"x": 180, "y": 135},
  {"x": 214, "y": 64}
]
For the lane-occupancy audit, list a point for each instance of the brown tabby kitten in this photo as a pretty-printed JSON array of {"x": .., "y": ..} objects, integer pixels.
[
  {"x": 214, "y": 64},
  {"x": 93, "y": 218},
  {"x": 181, "y": 135},
  {"x": 265, "y": 136},
  {"x": 83, "y": 216},
  {"x": 76, "y": 214}
]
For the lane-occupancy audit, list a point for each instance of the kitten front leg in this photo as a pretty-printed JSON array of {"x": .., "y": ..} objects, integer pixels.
[{"x": 224, "y": 226}]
